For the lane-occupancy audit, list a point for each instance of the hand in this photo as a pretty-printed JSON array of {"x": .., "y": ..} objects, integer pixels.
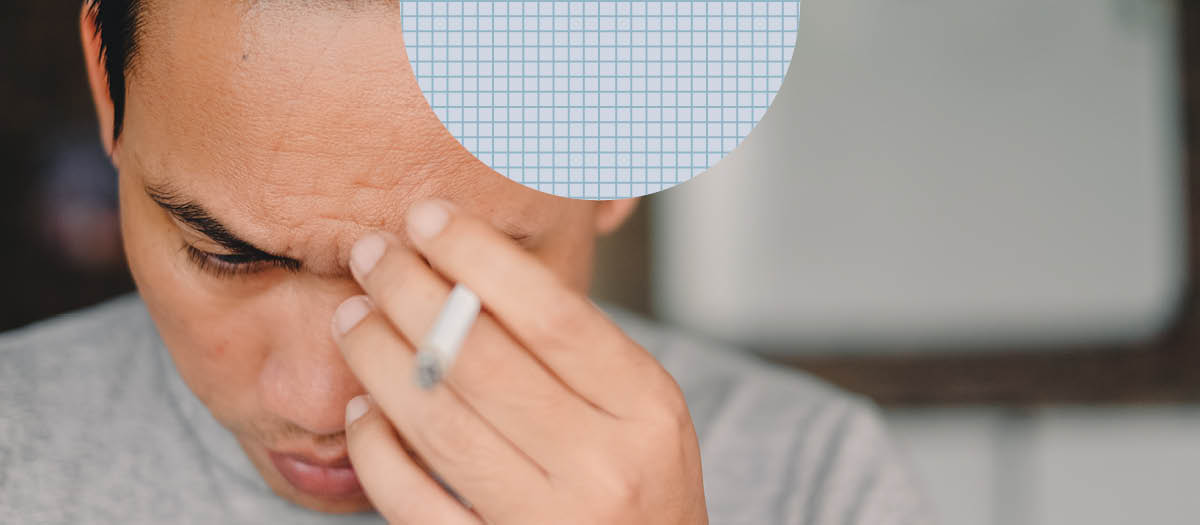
[{"x": 550, "y": 414}]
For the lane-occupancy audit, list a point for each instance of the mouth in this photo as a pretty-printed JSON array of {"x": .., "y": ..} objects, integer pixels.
[{"x": 329, "y": 479}]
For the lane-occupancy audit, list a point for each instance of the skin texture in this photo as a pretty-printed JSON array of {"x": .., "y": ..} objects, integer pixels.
[
  {"x": 302, "y": 130},
  {"x": 550, "y": 415}
]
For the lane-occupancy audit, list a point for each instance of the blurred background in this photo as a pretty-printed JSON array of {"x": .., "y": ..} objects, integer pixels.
[{"x": 979, "y": 213}]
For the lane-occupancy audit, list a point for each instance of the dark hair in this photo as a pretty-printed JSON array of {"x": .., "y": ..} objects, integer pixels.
[{"x": 117, "y": 24}]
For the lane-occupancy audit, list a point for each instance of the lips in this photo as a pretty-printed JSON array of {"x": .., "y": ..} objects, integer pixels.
[{"x": 324, "y": 479}]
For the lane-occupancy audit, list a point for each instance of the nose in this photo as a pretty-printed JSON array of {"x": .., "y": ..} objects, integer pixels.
[{"x": 305, "y": 380}]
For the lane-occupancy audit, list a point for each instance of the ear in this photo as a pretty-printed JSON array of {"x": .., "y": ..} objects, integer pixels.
[
  {"x": 610, "y": 215},
  {"x": 97, "y": 77}
]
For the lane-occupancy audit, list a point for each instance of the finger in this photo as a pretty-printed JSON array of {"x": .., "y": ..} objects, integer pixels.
[
  {"x": 566, "y": 332},
  {"x": 504, "y": 383},
  {"x": 447, "y": 434},
  {"x": 399, "y": 489}
]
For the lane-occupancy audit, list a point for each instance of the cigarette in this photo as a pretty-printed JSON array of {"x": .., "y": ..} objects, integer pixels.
[{"x": 437, "y": 353}]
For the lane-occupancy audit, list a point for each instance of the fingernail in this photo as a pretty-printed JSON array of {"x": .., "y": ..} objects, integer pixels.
[
  {"x": 349, "y": 314},
  {"x": 356, "y": 408},
  {"x": 366, "y": 253},
  {"x": 427, "y": 219}
]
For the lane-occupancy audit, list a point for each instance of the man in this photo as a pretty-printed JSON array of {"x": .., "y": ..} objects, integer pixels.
[{"x": 294, "y": 216}]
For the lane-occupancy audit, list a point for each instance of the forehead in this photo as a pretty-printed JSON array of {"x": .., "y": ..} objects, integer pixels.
[{"x": 294, "y": 124}]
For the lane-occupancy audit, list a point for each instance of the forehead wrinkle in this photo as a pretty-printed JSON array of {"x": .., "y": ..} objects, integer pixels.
[
  {"x": 329, "y": 161},
  {"x": 319, "y": 119},
  {"x": 321, "y": 224},
  {"x": 367, "y": 198}
]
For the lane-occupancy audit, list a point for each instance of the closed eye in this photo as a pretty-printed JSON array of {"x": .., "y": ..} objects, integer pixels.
[{"x": 232, "y": 264}]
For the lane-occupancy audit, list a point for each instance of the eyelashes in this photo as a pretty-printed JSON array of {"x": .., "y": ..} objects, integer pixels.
[{"x": 233, "y": 265}]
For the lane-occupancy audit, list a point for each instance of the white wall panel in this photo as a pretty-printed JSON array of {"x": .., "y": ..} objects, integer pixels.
[{"x": 939, "y": 172}]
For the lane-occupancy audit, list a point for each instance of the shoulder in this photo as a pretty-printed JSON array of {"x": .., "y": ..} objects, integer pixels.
[
  {"x": 70, "y": 386},
  {"x": 73, "y": 347},
  {"x": 112, "y": 319},
  {"x": 716, "y": 377},
  {"x": 73, "y": 361},
  {"x": 779, "y": 445}
]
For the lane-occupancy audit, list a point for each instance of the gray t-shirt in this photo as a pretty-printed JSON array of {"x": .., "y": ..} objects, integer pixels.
[{"x": 96, "y": 426}]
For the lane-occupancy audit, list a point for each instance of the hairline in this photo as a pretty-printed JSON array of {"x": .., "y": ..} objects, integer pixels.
[{"x": 120, "y": 23}]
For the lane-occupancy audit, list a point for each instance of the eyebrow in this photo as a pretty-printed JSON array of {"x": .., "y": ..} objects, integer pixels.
[{"x": 193, "y": 214}]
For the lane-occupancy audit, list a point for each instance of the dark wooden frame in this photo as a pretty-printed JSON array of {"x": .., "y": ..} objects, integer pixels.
[{"x": 1166, "y": 369}]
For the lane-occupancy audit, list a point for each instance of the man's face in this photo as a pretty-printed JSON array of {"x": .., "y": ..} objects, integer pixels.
[{"x": 297, "y": 130}]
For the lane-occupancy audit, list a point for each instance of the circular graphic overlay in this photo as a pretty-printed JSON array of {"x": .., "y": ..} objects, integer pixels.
[{"x": 600, "y": 99}]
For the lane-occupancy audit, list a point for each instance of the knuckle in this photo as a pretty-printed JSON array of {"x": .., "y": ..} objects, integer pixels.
[
  {"x": 667, "y": 408},
  {"x": 364, "y": 435},
  {"x": 617, "y": 493},
  {"x": 445, "y": 434},
  {"x": 390, "y": 272},
  {"x": 562, "y": 325},
  {"x": 485, "y": 367},
  {"x": 459, "y": 238},
  {"x": 361, "y": 336},
  {"x": 665, "y": 425},
  {"x": 364, "y": 429}
]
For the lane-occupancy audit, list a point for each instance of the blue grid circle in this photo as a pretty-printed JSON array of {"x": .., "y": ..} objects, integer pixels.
[{"x": 600, "y": 99}]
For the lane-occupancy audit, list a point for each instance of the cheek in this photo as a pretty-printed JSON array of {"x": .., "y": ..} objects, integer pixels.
[
  {"x": 568, "y": 252},
  {"x": 218, "y": 349},
  {"x": 216, "y": 346}
]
